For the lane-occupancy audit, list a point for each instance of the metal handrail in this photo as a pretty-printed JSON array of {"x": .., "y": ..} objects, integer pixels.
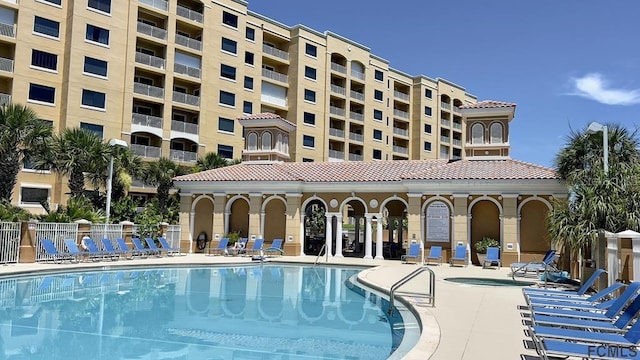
[
  {"x": 431, "y": 295},
  {"x": 323, "y": 248}
]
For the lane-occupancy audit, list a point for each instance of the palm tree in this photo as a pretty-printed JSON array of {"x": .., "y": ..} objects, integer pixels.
[
  {"x": 212, "y": 160},
  {"x": 126, "y": 167},
  {"x": 21, "y": 134},
  {"x": 160, "y": 173}
]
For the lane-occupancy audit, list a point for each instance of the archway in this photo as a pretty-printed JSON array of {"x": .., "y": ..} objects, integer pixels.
[
  {"x": 394, "y": 224},
  {"x": 239, "y": 217},
  {"x": 354, "y": 227},
  {"x": 202, "y": 231},
  {"x": 534, "y": 239},
  {"x": 314, "y": 227},
  {"x": 274, "y": 220},
  {"x": 485, "y": 222}
]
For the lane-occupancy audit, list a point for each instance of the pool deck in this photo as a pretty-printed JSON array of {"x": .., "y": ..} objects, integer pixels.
[{"x": 468, "y": 321}]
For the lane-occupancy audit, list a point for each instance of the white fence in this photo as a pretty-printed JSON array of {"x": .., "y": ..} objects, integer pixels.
[
  {"x": 9, "y": 242},
  {"x": 57, "y": 232},
  {"x": 173, "y": 235},
  {"x": 106, "y": 231}
]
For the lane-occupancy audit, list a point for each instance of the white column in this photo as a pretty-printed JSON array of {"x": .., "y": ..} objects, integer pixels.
[
  {"x": 379, "y": 243},
  {"x": 226, "y": 222},
  {"x": 339, "y": 235},
  {"x": 367, "y": 238},
  {"x": 328, "y": 233},
  {"x": 262, "y": 216},
  {"x": 192, "y": 225},
  {"x": 468, "y": 237},
  {"x": 636, "y": 257},
  {"x": 301, "y": 235},
  {"x": 612, "y": 258},
  {"x": 518, "y": 242}
]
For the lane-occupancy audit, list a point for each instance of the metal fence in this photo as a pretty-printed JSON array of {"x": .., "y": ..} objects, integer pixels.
[
  {"x": 173, "y": 235},
  {"x": 106, "y": 231},
  {"x": 9, "y": 242},
  {"x": 57, "y": 232}
]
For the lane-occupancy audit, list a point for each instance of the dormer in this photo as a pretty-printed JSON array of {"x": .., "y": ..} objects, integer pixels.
[
  {"x": 266, "y": 137},
  {"x": 486, "y": 126}
]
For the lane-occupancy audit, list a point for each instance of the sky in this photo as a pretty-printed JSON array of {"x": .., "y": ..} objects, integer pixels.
[{"x": 564, "y": 63}]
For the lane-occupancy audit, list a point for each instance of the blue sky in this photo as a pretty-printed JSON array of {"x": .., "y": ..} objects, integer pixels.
[{"x": 565, "y": 63}]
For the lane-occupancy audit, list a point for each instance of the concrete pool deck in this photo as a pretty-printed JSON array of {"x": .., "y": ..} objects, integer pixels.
[{"x": 468, "y": 321}]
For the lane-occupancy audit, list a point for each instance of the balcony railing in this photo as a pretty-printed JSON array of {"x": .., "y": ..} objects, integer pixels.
[
  {"x": 151, "y": 30},
  {"x": 141, "y": 184},
  {"x": 356, "y": 116},
  {"x": 335, "y": 154},
  {"x": 184, "y": 156},
  {"x": 457, "y": 142},
  {"x": 186, "y": 98},
  {"x": 401, "y": 95},
  {"x": 188, "y": 42},
  {"x": 456, "y": 109},
  {"x": 274, "y": 75},
  {"x": 356, "y": 137},
  {"x": 146, "y": 151},
  {"x": 6, "y": 64},
  {"x": 5, "y": 99},
  {"x": 456, "y": 125},
  {"x": 275, "y": 52},
  {"x": 400, "y": 149},
  {"x": 355, "y": 157},
  {"x": 148, "y": 90},
  {"x": 150, "y": 60},
  {"x": 184, "y": 127},
  {"x": 400, "y": 114},
  {"x": 445, "y": 105},
  {"x": 445, "y": 122},
  {"x": 338, "y": 90},
  {"x": 339, "y": 68},
  {"x": 336, "y": 132},
  {"x": 186, "y": 70},
  {"x": 158, "y": 4},
  {"x": 189, "y": 14},
  {"x": 357, "y": 74},
  {"x": 147, "y": 120},
  {"x": 445, "y": 139},
  {"x": 400, "y": 131},
  {"x": 337, "y": 111},
  {"x": 357, "y": 95},
  {"x": 8, "y": 30}
]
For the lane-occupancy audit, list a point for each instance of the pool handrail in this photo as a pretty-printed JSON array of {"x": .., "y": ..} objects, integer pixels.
[{"x": 431, "y": 295}]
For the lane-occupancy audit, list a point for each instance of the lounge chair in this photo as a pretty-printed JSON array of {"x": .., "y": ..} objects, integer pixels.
[
  {"x": 596, "y": 298},
  {"x": 435, "y": 254},
  {"x": 122, "y": 244},
  {"x": 556, "y": 292},
  {"x": 221, "y": 249},
  {"x": 493, "y": 257},
  {"x": 256, "y": 249},
  {"x": 108, "y": 247},
  {"x": 170, "y": 250},
  {"x": 240, "y": 247},
  {"x": 412, "y": 254},
  {"x": 74, "y": 250},
  {"x": 522, "y": 269},
  {"x": 52, "y": 252},
  {"x": 95, "y": 252},
  {"x": 460, "y": 254},
  {"x": 137, "y": 245},
  {"x": 151, "y": 244},
  {"x": 275, "y": 248}
]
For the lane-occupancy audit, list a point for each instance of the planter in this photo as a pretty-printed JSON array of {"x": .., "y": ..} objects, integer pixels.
[{"x": 481, "y": 258}]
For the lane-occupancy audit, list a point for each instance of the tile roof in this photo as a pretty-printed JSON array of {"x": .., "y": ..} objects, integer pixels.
[
  {"x": 488, "y": 104},
  {"x": 265, "y": 116},
  {"x": 376, "y": 171}
]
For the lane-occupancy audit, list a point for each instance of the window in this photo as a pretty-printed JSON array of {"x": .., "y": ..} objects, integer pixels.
[
  {"x": 311, "y": 50},
  {"x": 100, "y": 5},
  {"x": 427, "y": 128},
  {"x": 309, "y": 72},
  {"x": 309, "y": 95},
  {"x": 427, "y": 146},
  {"x": 377, "y": 134},
  {"x": 252, "y": 141},
  {"x": 248, "y": 83},
  {"x": 97, "y": 129},
  {"x": 308, "y": 141},
  {"x": 496, "y": 133},
  {"x": 377, "y": 94},
  {"x": 42, "y": 93},
  {"x": 225, "y": 151},
  {"x": 309, "y": 118},
  {"x": 247, "y": 107},
  {"x": 377, "y": 114},
  {"x": 229, "y": 45},
  {"x": 427, "y": 110},
  {"x": 266, "y": 140},
  {"x": 228, "y": 72},
  {"x": 33, "y": 196},
  {"x": 227, "y": 98},
  {"x": 55, "y": 2},
  {"x": 93, "y": 99},
  {"x": 427, "y": 93},
  {"x": 477, "y": 134},
  {"x": 46, "y": 27},
  {"x": 226, "y": 125},
  {"x": 307, "y": 160},
  {"x": 230, "y": 19},
  {"x": 97, "y": 34},
  {"x": 95, "y": 66},
  {"x": 44, "y": 60},
  {"x": 379, "y": 75},
  {"x": 377, "y": 154},
  {"x": 250, "y": 34},
  {"x": 248, "y": 58}
]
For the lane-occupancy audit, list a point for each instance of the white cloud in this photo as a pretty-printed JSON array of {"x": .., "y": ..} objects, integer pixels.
[{"x": 595, "y": 87}]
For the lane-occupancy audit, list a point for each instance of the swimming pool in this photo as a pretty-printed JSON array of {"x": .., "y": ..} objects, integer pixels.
[{"x": 250, "y": 312}]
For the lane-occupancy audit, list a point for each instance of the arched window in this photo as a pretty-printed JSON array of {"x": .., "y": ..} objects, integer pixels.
[
  {"x": 286, "y": 144},
  {"x": 279, "y": 145},
  {"x": 252, "y": 141},
  {"x": 477, "y": 136},
  {"x": 496, "y": 133},
  {"x": 266, "y": 141}
]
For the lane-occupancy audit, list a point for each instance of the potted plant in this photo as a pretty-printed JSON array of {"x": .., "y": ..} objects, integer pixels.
[{"x": 482, "y": 245}]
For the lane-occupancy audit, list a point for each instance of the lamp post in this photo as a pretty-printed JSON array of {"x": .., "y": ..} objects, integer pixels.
[
  {"x": 595, "y": 127},
  {"x": 112, "y": 143}
]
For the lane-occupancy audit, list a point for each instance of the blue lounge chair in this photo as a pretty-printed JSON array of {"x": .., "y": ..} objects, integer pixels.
[
  {"x": 493, "y": 257},
  {"x": 52, "y": 252},
  {"x": 547, "y": 263},
  {"x": 435, "y": 254},
  {"x": 151, "y": 245},
  {"x": 460, "y": 254},
  {"x": 256, "y": 249},
  {"x": 412, "y": 254},
  {"x": 74, "y": 250},
  {"x": 275, "y": 248},
  {"x": 138, "y": 246},
  {"x": 594, "y": 299},
  {"x": 221, "y": 249},
  {"x": 122, "y": 244},
  {"x": 240, "y": 247},
  {"x": 96, "y": 253},
  {"x": 556, "y": 292},
  {"x": 108, "y": 247},
  {"x": 170, "y": 250}
]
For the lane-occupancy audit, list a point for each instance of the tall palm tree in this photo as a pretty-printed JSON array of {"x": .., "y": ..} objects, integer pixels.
[
  {"x": 212, "y": 160},
  {"x": 160, "y": 173},
  {"x": 21, "y": 134}
]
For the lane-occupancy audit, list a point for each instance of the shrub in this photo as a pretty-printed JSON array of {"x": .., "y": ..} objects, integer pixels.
[{"x": 486, "y": 242}]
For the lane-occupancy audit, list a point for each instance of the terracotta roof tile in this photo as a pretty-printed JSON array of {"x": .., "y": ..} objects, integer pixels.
[
  {"x": 488, "y": 104},
  {"x": 486, "y": 170},
  {"x": 265, "y": 116}
]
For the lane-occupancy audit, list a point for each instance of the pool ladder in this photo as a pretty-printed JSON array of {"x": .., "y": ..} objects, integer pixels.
[{"x": 431, "y": 295}]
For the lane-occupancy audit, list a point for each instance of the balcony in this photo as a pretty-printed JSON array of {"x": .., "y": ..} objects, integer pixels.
[
  {"x": 187, "y": 13},
  {"x": 401, "y": 95},
  {"x": 355, "y": 157},
  {"x": 338, "y": 68},
  {"x": 274, "y": 75},
  {"x": 457, "y": 142},
  {"x": 445, "y": 122},
  {"x": 158, "y": 4},
  {"x": 150, "y": 60},
  {"x": 147, "y": 120},
  {"x": 152, "y": 31},
  {"x": 275, "y": 52},
  {"x": 337, "y": 111},
  {"x": 184, "y": 127},
  {"x": 191, "y": 43},
  {"x": 357, "y": 95},
  {"x": 335, "y": 154},
  {"x": 400, "y": 114},
  {"x": 400, "y": 131},
  {"x": 357, "y": 74},
  {"x": 336, "y": 132},
  {"x": 457, "y": 125},
  {"x": 6, "y": 65},
  {"x": 146, "y": 151},
  {"x": 445, "y": 105},
  {"x": 5, "y": 99},
  {"x": 445, "y": 139},
  {"x": 338, "y": 90},
  {"x": 186, "y": 70},
  {"x": 8, "y": 30},
  {"x": 141, "y": 184},
  {"x": 184, "y": 156},
  {"x": 356, "y": 116},
  {"x": 356, "y": 137},
  {"x": 456, "y": 109},
  {"x": 186, "y": 98},
  {"x": 148, "y": 90},
  {"x": 400, "y": 149}
]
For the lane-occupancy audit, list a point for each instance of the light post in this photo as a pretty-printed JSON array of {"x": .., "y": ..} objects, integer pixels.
[
  {"x": 112, "y": 143},
  {"x": 595, "y": 127}
]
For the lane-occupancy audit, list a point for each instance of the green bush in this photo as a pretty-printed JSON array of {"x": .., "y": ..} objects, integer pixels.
[{"x": 486, "y": 242}]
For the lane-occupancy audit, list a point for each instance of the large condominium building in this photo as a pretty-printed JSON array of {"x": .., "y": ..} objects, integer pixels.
[{"x": 172, "y": 77}]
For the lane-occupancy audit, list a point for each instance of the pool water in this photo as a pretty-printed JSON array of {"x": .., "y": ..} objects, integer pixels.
[{"x": 253, "y": 312}]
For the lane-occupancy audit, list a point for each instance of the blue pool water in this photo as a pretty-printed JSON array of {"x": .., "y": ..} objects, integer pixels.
[{"x": 254, "y": 312}]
